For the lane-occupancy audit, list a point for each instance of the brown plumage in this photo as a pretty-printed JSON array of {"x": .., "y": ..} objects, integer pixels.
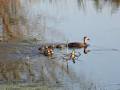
[
  {"x": 46, "y": 50},
  {"x": 61, "y": 46},
  {"x": 79, "y": 44}
]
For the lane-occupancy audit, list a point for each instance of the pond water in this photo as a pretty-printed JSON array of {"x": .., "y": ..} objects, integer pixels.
[{"x": 51, "y": 21}]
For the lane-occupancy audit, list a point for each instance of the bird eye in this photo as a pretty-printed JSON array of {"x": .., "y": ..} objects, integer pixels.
[{"x": 88, "y": 39}]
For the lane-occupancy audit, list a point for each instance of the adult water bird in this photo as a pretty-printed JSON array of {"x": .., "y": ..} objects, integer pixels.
[{"x": 79, "y": 44}]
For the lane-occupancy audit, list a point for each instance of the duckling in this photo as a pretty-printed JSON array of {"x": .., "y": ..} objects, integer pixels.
[
  {"x": 79, "y": 44},
  {"x": 48, "y": 52},
  {"x": 72, "y": 56},
  {"x": 52, "y": 46},
  {"x": 42, "y": 48},
  {"x": 60, "y": 46}
]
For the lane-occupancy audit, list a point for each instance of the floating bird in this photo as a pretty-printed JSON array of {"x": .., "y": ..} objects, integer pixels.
[
  {"x": 46, "y": 50},
  {"x": 79, "y": 44}
]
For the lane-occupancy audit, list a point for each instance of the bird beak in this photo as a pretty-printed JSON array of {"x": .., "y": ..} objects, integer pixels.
[{"x": 88, "y": 39}]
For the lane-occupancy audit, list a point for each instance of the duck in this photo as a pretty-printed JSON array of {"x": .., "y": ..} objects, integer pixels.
[{"x": 79, "y": 44}]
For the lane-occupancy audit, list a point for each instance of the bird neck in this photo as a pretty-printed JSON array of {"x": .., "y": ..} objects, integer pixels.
[{"x": 84, "y": 41}]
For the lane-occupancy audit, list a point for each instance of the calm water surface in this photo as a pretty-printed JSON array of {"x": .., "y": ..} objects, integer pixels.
[{"x": 70, "y": 20}]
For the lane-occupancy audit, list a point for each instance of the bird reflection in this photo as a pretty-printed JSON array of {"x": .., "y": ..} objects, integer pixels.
[
  {"x": 85, "y": 50},
  {"x": 72, "y": 56}
]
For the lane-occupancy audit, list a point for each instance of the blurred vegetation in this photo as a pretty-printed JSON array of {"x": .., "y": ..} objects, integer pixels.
[
  {"x": 99, "y": 4},
  {"x": 10, "y": 14},
  {"x": 14, "y": 22}
]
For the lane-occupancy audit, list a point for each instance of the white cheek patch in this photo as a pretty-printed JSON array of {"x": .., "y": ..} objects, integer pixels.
[{"x": 86, "y": 40}]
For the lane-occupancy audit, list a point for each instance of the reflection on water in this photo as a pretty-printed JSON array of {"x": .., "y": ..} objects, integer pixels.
[
  {"x": 26, "y": 22},
  {"x": 22, "y": 63},
  {"x": 11, "y": 70},
  {"x": 114, "y": 4},
  {"x": 16, "y": 23},
  {"x": 10, "y": 14}
]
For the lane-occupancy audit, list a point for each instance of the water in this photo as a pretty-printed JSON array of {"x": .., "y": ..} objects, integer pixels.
[{"x": 61, "y": 21}]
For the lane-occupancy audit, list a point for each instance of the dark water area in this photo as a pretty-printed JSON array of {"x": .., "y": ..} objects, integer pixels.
[{"x": 27, "y": 24}]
